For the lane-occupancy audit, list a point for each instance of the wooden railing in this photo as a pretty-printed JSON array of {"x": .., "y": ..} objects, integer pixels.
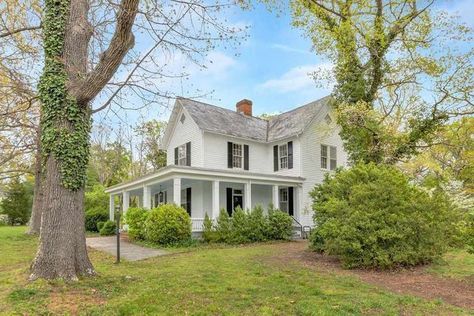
[{"x": 197, "y": 224}]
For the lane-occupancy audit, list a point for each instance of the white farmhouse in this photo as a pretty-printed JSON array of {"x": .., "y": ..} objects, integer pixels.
[{"x": 220, "y": 159}]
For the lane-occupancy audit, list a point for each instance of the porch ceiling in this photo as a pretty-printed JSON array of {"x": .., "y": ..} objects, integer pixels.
[{"x": 169, "y": 172}]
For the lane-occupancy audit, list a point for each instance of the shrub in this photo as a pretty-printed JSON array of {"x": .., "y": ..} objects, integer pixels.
[
  {"x": 168, "y": 224},
  {"x": 371, "y": 216},
  {"x": 96, "y": 198},
  {"x": 223, "y": 227},
  {"x": 17, "y": 202},
  {"x": 94, "y": 216},
  {"x": 240, "y": 229},
  {"x": 469, "y": 234},
  {"x": 280, "y": 225},
  {"x": 100, "y": 225},
  {"x": 258, "y": 225},
  {"x": 135, "y": 218},
  {"x": 108, "y": 228},
  {"x": 209, "y": 233},
  {"x": 96, "y": 207}
]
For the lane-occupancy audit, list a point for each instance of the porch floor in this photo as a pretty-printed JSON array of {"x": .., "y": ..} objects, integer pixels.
[{"x": 128, "y": 251}]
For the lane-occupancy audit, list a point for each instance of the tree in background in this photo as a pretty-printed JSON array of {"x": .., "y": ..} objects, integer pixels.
[
  {"x": 17, "y": 202},
  {"x": 400, "y": 67},
  {"x": 451, "y": 158},
  {"x": 110, "y": 164},
  {"x": 150, "y": 134}
]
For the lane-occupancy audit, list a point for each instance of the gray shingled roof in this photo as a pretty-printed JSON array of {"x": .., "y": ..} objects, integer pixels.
[
  {"x": 295, "y": 121},
  {"x": 219, "y": 120}
]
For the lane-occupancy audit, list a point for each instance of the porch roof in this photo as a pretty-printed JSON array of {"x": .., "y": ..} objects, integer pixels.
[{"x": 208, "y": 174}]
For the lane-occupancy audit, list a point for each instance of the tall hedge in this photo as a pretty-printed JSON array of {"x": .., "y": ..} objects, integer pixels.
[{"x": 372, "y": 216}]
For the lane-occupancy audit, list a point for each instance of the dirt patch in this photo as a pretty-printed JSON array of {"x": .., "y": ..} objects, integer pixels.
[
  {"x": 72, "y": 301},
  {"x": 415, "y": 281}
]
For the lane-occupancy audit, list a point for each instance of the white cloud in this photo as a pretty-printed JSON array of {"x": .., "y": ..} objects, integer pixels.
[
  {"x": 296, "y": 79},
  {"x": 219, "y": 64},
  {"x": 290, "y": 49}
]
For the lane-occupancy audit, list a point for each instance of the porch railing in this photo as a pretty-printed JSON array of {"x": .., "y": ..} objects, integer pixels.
[{"x": 197, "y": 224}]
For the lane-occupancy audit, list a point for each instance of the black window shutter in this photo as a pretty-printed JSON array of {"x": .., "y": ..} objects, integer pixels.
[
  {"x": 188, "y": 201},
  {"x": 246, "y": 157},
  {"x": 229, "y": 201},
  {"x": 229, "y": 155},
  {"x": 290, "y": 155},
  {"x": 188, "y": 154},
  {"x": 176, "y": 156},
  {"x": 290, "y": 201},
  {"x": 275, "y": 158}
]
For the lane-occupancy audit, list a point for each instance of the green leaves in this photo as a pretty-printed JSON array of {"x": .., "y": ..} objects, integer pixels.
[
  {"x": 65, "y": 125},
  {"x": 371, "y": 216}
]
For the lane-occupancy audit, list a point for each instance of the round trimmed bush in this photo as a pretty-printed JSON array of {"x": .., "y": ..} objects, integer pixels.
[
  {"x": 168, "y": 224},
  {"x": 135, "y": 218},
  {"x": 372, "y": 216},
  {"x": 280, "y": 225}
]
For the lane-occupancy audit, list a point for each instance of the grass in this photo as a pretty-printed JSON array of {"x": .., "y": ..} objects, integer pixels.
[
  {"x": 458, "y": 264},
  {"x": 203, "y": 281}
]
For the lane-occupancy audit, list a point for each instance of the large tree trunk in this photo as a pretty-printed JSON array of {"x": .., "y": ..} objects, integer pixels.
[
  {"x": 36, "y": 211},
  {"x": 62, "y": 252}
]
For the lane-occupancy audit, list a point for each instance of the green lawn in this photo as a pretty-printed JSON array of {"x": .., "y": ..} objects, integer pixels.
[
  {"x": 209, "y": 281},
  {"x": 458, "y": 264}
]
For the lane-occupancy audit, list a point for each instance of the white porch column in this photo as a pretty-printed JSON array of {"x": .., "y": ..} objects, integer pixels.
[
  {"x": 275, "y": 197},
  {"x": 146, "y": 197},
  {"x": 215, "y": 199},
  {"x": 125, "y": 201},
  {"x": 298, "y": 201},
  {"x": 111, "y": 207},
  {"x": 177, "y": 191},
  {"x": 248, "y": 195}
]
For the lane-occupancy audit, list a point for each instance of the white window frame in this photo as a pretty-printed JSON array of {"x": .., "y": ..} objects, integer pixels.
[
  {"x": 182, "y": 161},
  {"x": 283, "y": 159},
  {"x": 283, "y": 199},
  {"x": 237, "y": 155},
  {"x": 329, "y": 158}
]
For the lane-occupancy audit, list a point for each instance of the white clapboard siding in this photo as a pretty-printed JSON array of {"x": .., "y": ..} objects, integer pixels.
[{"x": 188, "y": 131}]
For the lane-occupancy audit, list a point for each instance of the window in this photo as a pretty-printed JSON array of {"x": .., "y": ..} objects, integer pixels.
[
  {"x": 331, "y": 156},
  {"x": 183, "y": 118},
  {"x": 236, "y": 155},
  {"x": 333, "y": 159},
  {"x": 186, "y": 200},
  {"x": 283, "y": 150},
  {"x": 182, "y": 155},
  {"x": 284, "y": 199},
  {"x": 328, "y": 119}
]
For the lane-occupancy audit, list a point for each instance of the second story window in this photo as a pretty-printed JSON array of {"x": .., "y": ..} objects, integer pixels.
[
  {"x": 328, "y": 157},
  {"x": 182, "y": 155},
  {"x": 283, "y": 156},
  {"x": 236, "y": 155}
]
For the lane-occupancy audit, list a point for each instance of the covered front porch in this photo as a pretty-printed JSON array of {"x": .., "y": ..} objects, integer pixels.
[{"x": 200, "y": 191}]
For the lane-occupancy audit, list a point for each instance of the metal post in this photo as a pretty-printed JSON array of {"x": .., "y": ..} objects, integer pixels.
[{"x": 117, "y": 232}]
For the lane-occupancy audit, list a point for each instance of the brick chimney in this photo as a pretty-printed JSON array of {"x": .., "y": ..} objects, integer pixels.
[{"x": 244, "y": 106}]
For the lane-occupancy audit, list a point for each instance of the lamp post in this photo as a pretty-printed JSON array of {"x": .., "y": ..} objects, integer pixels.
[{"x": 117, "y": 231}]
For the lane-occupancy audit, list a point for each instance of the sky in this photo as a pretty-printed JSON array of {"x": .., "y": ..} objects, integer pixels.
[{"x": 272, "y": 67}]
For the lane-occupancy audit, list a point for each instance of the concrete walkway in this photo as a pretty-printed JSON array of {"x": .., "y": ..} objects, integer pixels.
[{"x": 128, "y": 251}]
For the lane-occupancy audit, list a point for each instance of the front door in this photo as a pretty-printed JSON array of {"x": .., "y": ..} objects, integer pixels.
[{"x": 238, "y": 201}]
